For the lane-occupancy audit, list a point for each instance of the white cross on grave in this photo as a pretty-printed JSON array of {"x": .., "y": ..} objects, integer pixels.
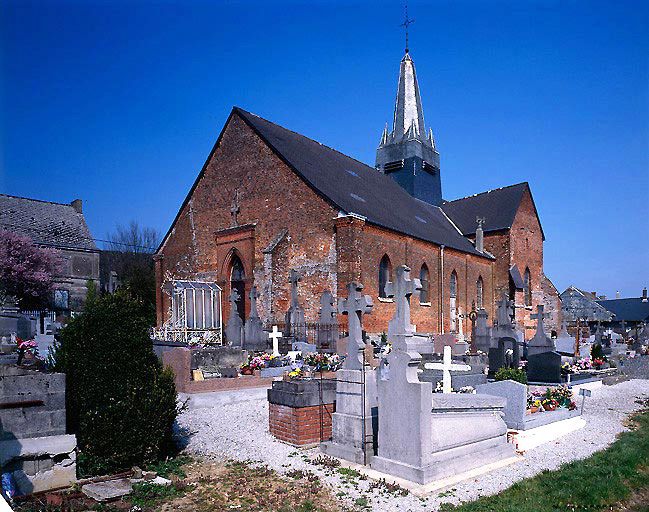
[
  {"x": 275, "y": 336},
  {"x": 446, "y": 367}
]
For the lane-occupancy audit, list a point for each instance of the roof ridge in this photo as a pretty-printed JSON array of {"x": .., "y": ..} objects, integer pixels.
[
  {"x": 489, "y": 191},
  {"x": 305, "y": 137},
  {"x": 37, "y": 200}
]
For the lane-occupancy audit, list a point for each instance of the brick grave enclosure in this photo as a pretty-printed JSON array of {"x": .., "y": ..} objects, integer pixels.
[
  {"x": 300, "y": 411},
  {"x": 180, "y": 361}
]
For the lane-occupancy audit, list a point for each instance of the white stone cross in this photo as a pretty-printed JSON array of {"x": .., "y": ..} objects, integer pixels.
[
  {"x": 275, "y": 335},
  {"x": 446, "y": 367}
]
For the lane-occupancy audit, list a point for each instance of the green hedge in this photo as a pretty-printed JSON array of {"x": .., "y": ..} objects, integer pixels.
[
  {"x": 120, "y": 401},
  {"x": 515, "y": 374}
]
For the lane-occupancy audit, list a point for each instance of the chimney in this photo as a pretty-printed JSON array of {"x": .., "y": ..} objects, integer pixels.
[
  {"x": 644, "y": 294},
  {"x": 479, "y": 235},
  {"x": 77, "y": 204},
  {"x": 617, "y": 294}
]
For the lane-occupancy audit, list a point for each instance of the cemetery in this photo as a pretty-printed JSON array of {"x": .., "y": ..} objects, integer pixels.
[
  {"x": 418, "y": 410},
  {"x": 297, "y": 330}
]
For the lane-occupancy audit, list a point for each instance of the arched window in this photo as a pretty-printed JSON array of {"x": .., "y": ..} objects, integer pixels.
[
  {"x": 424, "y": 277},
  {"x": 237, "y": 282},
  {"x": 452, "y": 302},
  {"x": 479, "y": 290},
  {"x": 527, "y": 287},
  {"x": 385, "y": 275}
]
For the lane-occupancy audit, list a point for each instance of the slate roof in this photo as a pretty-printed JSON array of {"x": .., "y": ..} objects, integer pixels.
[
  {"x": 51, "y": 224},
  {"x": 629, "y": 310},
  {"x": 498, "y": 207},
  {"x": 354, "y": 187}
]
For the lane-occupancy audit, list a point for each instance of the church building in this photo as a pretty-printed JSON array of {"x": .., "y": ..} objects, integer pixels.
[{"x": 269, "y": 200}]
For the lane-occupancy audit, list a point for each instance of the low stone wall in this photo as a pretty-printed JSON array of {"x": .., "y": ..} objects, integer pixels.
[
  {"x": 180, "y": 361},
  {"x": 34, "y": 446},
  {"x": 300, "y": 412}
]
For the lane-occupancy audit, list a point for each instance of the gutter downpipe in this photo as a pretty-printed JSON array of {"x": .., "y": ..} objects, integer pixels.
[{"x": 441, "y": 289}]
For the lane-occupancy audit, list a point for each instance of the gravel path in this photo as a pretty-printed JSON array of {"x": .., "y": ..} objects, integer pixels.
[{"x": 239, "y": 431}]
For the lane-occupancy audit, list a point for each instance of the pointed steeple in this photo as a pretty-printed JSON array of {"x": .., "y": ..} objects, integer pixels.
[
  {"x": 408, "y": 110},
  {"x": 408, "y": 154}
]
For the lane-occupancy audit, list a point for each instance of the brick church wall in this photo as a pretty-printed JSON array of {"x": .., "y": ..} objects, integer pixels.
[{"x": 241, "y": 160}]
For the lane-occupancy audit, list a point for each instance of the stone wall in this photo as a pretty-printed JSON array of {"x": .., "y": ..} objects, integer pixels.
[{"x": 34, "y": 446}]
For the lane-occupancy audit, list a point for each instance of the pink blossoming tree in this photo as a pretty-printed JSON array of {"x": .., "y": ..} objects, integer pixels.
[{"x": 26, "y": 271}]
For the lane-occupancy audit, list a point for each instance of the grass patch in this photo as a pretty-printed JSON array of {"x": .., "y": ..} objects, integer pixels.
[
  {"x": 170, "y": 466},
  {"x": 147, "y": 494},
  {"x": 597, "y": 483}
]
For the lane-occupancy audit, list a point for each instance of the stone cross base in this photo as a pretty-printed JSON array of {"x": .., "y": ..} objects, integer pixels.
[{"x": 347, "y": 425}]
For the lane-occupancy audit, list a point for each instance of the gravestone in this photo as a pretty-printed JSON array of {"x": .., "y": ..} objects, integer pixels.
[
  {"x": 327, "y": 327},
  {"x": 255, "y": 338},
  {"x": 506, "y": 354},
  {"x": 516, "y": 395},
  {"x": 295, "y": 322},
  {"x": 482, "y": 333},
  {"x": 234, "y": 326},
  {"x": 425, "y": 436},
  {"x": 540, "y": 342},
  {"x": 544, "y": 367},
  {"x": 565, "y": 343},
  {"x": 356, "y": 387}
]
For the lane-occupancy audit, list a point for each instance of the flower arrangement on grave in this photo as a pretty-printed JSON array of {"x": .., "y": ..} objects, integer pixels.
[
  {"x": 297, "y": 373},
  {"x": 27, "y": 348},
  {"x": 466, "y": 389},
  {"x": 550, "y": 399},
  {"x": 323, "y": 362},
  {"x": 598, "y": 363}
]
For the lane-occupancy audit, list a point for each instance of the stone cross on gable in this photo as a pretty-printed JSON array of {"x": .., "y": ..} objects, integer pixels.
[
  {"x": 401, "y": 289},
  {"x": 327, "y": 309},
  {"x": 293, "y": 278},
  {"x": 504, "y": 311},
  {"x": 539, "y": 316},
  {"x": 480, "y": 221},
  {"x": 275, "y": 335},
  {"x": 354, "y": 306},
  {"x": 234, "y": 209}
]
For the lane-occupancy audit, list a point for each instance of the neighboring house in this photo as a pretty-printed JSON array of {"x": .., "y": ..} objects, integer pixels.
[
  {"x": 63, "y": 227},
  {"x": 630, "y": 313},
  {"x": 580, "y": 305}
]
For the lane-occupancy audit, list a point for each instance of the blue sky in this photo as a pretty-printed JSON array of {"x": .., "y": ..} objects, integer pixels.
[{"x": 119, "y": 103}]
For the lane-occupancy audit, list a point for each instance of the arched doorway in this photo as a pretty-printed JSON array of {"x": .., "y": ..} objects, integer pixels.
[{"x": 238, "y": 283}]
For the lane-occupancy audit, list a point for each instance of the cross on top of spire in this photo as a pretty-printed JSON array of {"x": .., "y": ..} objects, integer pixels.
[{"x": 406, "y": 23}]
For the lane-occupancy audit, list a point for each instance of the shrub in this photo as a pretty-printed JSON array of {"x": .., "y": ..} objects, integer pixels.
[
  {"x": 120, "y": 402},
  {"x": 514, "y": 374}
]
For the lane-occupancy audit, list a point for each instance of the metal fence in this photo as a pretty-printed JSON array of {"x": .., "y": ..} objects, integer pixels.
[{"x": 323, "y": 336}]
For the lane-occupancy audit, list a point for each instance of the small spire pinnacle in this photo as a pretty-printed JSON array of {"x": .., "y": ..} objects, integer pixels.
[
  {"x": 406, "y": 23},
  {"x": 384, "y": 136},
  {"x": 431, "y": 137}
]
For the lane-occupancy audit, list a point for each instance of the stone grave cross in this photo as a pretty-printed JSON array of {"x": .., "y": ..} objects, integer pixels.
[
  {"x": 354, "y": 306},
  {"x": 254, "y": 295},
  {"x": 539, "y": 316},
  {"x": 294, "y": 278},
  {"x": 275, "y": 335},
  {"x": 234, "y": 209},
  {"x": 327, "y": 309},
  {"x": 401, "y": 289},
  {"x": 233, "y": 299},
  {"x": 504, "y": 311},
  {"x": 446, "y": 366}
]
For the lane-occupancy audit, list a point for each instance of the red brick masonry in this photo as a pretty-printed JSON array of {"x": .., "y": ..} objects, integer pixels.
[{"x": 300, "y": 426}]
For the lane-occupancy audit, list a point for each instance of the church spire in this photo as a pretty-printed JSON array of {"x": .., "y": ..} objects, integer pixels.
[{"x": 409, "y": 154}]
